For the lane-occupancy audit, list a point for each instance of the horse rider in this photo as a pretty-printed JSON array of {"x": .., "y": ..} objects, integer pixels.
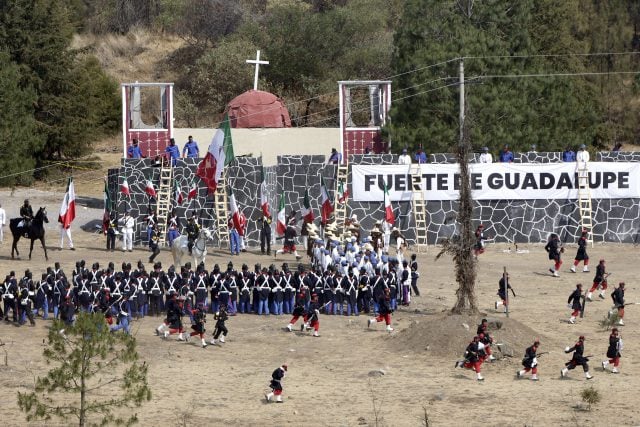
[
  {"x": 26, "y": 212},
  {"x": 193, "y": 229}
]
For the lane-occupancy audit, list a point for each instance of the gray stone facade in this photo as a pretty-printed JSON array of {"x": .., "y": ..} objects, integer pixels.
[{"x": 615, "y": 220}]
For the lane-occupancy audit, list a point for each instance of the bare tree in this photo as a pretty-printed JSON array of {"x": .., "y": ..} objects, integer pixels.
[{"x": 461, "y": 245}]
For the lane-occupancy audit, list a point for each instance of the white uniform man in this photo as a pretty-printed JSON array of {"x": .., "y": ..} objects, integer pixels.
[
  {"x": 66, "y": 232},
  {"x": 582, "y": 157},
  {"x": 486, "y": 156},
  {"x": 386, "y": 235},
  {"x": 128, "y": 222},
  {"x": 404, "y": 158},
  {"x": 3, "y": 222}
]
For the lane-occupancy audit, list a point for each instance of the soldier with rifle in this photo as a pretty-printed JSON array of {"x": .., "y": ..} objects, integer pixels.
[
  {"x": 578, "y": 359},
  {"x": 220, "y": 330},
  {"x": 530, "y": 361},
  {"x": 618, "y": 302},
  {"x": 503, "y": 289},
  {"x": 473, "y": 357},
  {"x": 575, "y": 303},
  {"x": 600, "y": 280},
  {"x": 613, "y": 352}
]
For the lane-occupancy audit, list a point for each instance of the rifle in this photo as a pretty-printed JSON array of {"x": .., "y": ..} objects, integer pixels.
[{"x": 603, "y": 279}]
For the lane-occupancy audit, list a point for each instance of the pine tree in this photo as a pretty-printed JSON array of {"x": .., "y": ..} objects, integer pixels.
[{"x": 95, "y": 372}]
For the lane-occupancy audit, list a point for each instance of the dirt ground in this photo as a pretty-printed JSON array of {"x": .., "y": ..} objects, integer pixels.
[{"x": 337, "y": 379}]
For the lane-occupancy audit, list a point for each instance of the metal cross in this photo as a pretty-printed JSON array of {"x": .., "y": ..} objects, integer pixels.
[{"x": 257, "y": 63}]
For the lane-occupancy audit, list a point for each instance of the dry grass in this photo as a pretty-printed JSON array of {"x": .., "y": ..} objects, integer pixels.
[{"x": 135, "y": 56}]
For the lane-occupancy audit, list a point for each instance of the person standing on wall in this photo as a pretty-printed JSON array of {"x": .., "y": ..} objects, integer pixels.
[
  {"x": 506, "y": 156},
  {"x": 191, "y": 149},
  {"x": 134, "y": 151},
  {"x": 172, "y": 152},
  {"x": 486, "y": 156},
  {"x": 404, "y": 158}
]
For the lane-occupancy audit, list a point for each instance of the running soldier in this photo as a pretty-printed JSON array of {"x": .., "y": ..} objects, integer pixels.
[
  {"x": 503, "y": 290},
  {"x": 384, "y": 311},
  {"x": 312, "y": 318},
  {"x": 276, "y": 384},
  {"x": 220, "y": 329},
  {"x": 581, "y": 255},
  {"x": 473, "y": 357},
  {"x": 613, "y": 352},
  {"x": 486, "y": 339},
  {"x": 530, "y": 361},
  {"x": 575, "y": 303},
  {"x": 599, "y": 281},
  {"x": 618, "y": 302},
  {"x": 199, "y": 319},
  {"x": 554, "y": 249},
  {"x": 578, "y": 359},
  {"x": 480, "y": 238}
]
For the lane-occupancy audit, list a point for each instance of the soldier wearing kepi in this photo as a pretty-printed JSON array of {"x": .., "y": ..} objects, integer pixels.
[
  {"x": 503, "y": 290},
  {"x": 199, "y": 319},
  {"x": 487, "y": 340},
  {"x": 530, "y": 361},
  {"x": 554, "y": 249},
  {"x": 613, "y": 352},
  {"x": 581, "y": 255},
  {"x": 473, "y": 357},
  {"x": 574, "y": 302},
  {"x": 220, "y": 329},
  {"x": 599, "y": 281},
  {"x": 276, "y": 384},
  {"x": 618, "y": 302},
  {"x": 578, "y": 359}
]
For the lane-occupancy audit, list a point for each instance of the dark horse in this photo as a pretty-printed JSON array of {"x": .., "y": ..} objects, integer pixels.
[{"x": 34, "y": 232}]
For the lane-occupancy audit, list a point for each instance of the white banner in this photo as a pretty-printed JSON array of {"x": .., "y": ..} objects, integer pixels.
[{"x": 498, "y": 181}]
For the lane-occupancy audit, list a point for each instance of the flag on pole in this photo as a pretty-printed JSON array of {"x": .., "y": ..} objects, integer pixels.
[
  {"x": 68, "y": 208},
  {"x": 150, "y": 189},
  {"x": 179, "y": 197},
  {"x": 343, "y": 195},
  {"x": 219, "y": 155},
  {"x": 124, "y": 188},
  {"x": 281, "y": 225},
  {"x": 388, "y": 210},
  {"x": 326, "y": 208},
  {"x": 107, "y": 199},
  {"x": 233, "y": 206},
  {"x": 264, "y": 202},
  {"x": 307, "y": 212},
  {"x": 193, "y": 191}
]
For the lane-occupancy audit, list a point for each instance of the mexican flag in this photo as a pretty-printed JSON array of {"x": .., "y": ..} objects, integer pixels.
[
  {"x": 388, "y": 210},
  {"x": 264, "y": 202},
  {"x": 281, "y": 225},
  {"x": 233, "y": 206},
  {"x": 343, "y": 195},
  {"x": 179, "y": 197},
  {"x": 68, "y": 208},
  {"x": 124, "y": 188},
  {"x": 307, "y": 212},
  {"x": 107, "y": 200},
  {"x": 326, "y": 208},
  {"x": 193, "y": 191},
  {"x": 150, "y": 189},
  {"x": 219, "y": 155}
]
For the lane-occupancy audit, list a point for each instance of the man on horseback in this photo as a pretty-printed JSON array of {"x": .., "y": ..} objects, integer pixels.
[
  {"x": 193, "y": 229},
  {"x": 26, "y": 212}
]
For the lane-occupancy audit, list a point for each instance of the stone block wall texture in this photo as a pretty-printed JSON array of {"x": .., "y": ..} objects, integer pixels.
[{"x": 521, "y": 221}]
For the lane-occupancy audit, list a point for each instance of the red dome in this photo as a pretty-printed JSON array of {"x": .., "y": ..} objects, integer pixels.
[{"x": 258, "y": 109}]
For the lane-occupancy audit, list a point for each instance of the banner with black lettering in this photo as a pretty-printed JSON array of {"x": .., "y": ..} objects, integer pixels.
[{"x": 498, "y": 181}]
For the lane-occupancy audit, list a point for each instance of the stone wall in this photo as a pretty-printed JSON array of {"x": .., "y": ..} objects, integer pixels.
[{"x": 616, "y": 220}]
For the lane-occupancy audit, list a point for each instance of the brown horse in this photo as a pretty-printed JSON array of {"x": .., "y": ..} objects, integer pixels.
[{"x": 35, "y": 231}]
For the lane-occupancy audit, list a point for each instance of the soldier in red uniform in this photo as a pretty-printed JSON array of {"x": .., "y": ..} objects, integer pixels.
[
  {"x": 578, "y": 359},
  {"x": 581, "y": 255},
  {"x": 276, "y": 384},
  {"x": 474, "y": 355},
  {"x": 613, "y": 352},
  {"x": 530, "y": 361},
  {"x": 599, "y": 281}
]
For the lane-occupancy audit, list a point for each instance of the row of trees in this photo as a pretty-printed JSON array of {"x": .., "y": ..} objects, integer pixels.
[{"x": 55, "y": 100}]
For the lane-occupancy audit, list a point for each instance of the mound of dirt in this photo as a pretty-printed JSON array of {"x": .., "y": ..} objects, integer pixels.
[{"x": 447, "y": 335}]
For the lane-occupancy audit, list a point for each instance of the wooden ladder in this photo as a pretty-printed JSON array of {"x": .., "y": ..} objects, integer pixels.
[
  {"x": 419, "y": 208},
  {"x": 220, "y": 206},
  {"x": 584, "y": 201},
  {"x": 340, "y": 209},
  {"x": 164, "y": 201}
]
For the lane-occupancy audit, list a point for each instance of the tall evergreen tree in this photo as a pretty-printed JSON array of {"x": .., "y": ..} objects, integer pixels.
[
  {"x": 19, "y": 136},
  {"x": 494, "y": 35}
]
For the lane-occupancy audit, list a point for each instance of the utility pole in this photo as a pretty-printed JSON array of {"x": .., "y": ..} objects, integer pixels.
[{"x": 461, "y": 100}]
